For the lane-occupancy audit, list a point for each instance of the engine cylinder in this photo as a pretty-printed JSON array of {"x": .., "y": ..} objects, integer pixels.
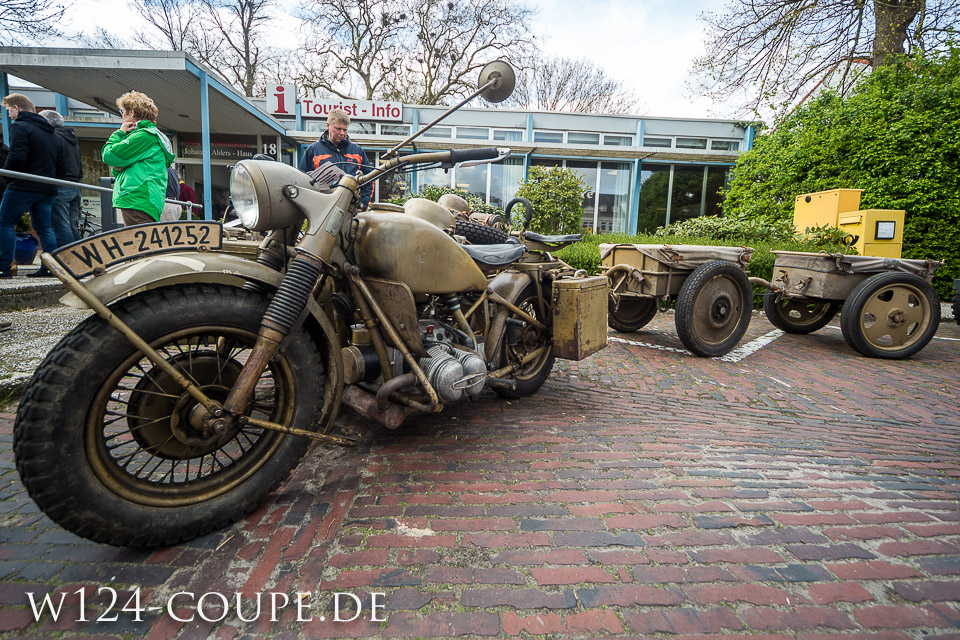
[
  {"x": 473, "y": 368},
  {"x": 443, "y": 371}
]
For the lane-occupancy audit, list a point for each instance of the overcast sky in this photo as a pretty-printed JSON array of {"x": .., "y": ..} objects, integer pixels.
[{"x": 649, "y": 45}]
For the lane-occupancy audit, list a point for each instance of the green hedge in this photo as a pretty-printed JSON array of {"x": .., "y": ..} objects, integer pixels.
[{"x": 586, "y": 253}]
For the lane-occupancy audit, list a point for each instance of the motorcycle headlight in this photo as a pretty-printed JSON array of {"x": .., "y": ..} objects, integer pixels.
[{"x": 244, "y": 195}]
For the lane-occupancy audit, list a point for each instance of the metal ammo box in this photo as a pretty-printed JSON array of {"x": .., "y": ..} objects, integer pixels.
[{"x": 579, "y": 316}]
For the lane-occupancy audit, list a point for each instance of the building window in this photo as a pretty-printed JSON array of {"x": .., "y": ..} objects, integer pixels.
[
  {"x": 575, "y": 137},
  {"x": 546, "y": 162},
  {"x": 691, "y": 143},
  {"x": 716, "y": 181},
  {"x": 618, "y": 141},
  {"x": 507, "y": 135},
  {"x": 657, "y": 142},
  {"x": 725, "y": 145},
  {"x": 654, "y": 197},
  {"x": 505, "y": 179},
  {"x": 613, "y": 200},
  {"x": 548, "y": 136},
  {"x": 686, "y": 194},
  {"x": 473, "y": 180},
  {"x": 473, "y": 133},
  {"x": 394, "y": 185},
  {"x": 439, "y": 132},
  {"x": 587, "y": 171},
  {"x": 394, "y": 129},
  {"x": 363, "y": 128}
]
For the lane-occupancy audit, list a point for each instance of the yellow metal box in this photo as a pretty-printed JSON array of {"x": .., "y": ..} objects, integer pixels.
[
  {"x": 579, "y": 316},
  {"x": 874, "y": 232},
  {"x": 824, "y": 207}
]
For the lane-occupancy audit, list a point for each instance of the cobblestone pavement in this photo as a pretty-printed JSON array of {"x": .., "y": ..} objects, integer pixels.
[{"x": 799, "y": 490}]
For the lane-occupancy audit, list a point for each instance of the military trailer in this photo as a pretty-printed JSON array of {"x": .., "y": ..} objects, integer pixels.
[
  {"x": 890, "y": 310},
  {"x": 710, "y": 285}
]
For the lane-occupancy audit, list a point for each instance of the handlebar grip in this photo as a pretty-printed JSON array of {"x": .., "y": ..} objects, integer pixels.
[
  {"x": 528, "y": 216},
  {"x": 463, "y": 155}
]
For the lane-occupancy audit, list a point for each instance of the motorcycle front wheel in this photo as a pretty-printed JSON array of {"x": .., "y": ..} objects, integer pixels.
[{"x": 112, "y": 449}]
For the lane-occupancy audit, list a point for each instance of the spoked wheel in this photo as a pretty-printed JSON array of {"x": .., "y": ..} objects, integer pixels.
[
  {"x": 890, "y": 315},
  {"x": 113, "y": 449},
  {"x": 632, "y": 314},
  {"x": 527, "y": 339},
  {"x": 713, "y": 308},
  {"x": 798, "y": 315}
]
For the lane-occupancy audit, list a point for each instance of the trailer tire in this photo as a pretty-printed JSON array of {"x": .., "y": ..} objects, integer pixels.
[
  {"x": 632, "y": 314},
  {"x": 798, "y": 315},
  {"x": 713, "y": 308},
  {"x": 890, "y": 315}
]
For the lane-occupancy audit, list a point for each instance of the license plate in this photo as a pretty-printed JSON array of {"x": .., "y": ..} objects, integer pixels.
[{"x": 107, "y": 249}]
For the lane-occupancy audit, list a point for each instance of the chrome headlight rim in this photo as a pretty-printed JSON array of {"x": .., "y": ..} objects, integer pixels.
[{"x": 243, "y": 193}]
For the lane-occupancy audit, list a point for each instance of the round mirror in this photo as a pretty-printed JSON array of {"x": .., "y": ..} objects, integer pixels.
[{"x": 505, "y": 81}]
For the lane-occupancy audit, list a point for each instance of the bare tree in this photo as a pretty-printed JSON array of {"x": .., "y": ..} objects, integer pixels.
[
  {"x": 772, "y": 52},
  {"x": 243, "y": 56},
  {"x": 29, "y": 20},
  {"x": 354, "y": 48},
  {"x": 175, "y": 20},
  {"x": 450, "y": 41},
  {"x": 226, "y": 35},
  {"x": 424, "y": 52},
  {"x": 565, "y": 84}
]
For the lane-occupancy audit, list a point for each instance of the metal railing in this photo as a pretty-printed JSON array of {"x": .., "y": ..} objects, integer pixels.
[{"x": 108, "y": 216}]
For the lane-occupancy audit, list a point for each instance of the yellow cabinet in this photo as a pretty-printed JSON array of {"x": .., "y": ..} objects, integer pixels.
[
  {"x": 874, "y": 232},
  {"x": 824, "y": 207}
]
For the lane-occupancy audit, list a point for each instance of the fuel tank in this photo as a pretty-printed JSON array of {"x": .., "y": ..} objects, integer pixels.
[
  {"x": 401, "y": 247},
  {"x": 431, "y": 212}
]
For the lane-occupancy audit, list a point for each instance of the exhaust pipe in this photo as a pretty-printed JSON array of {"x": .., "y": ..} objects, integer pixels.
[{"x": 365, "y": 403}]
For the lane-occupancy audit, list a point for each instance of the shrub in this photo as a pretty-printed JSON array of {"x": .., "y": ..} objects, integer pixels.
[{"x": 557, "y": 198}]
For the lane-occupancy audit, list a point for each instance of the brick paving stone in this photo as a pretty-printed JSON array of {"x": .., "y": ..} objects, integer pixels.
[{"x": 641, "y": 492}]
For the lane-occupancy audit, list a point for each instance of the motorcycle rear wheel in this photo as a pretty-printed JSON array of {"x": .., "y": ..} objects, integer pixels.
[
  {"x": 531, "y": 376},
  {"x": 104, "y": 440}
]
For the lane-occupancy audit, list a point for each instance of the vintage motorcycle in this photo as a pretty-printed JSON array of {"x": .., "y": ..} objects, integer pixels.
[{"x": 197, "y": 385}]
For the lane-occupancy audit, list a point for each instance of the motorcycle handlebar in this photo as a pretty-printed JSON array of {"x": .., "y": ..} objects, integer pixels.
[{"x": 464, "y": 155}]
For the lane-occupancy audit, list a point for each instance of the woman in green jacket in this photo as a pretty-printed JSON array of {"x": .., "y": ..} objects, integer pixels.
[{"x": 139, "y": 155}]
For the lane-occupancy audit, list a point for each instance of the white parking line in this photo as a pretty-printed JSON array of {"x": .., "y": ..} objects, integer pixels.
[
  {"x": 736, "y": 355},
  {"x": 753, "y": 346}
]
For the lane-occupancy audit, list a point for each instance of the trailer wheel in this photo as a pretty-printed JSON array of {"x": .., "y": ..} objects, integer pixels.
[
  {"x": 890, "y": 315},
  {"x": 713, "y": 308},
  {"x": 632, "y": 314},
  {"x": 798, "y": 315}
]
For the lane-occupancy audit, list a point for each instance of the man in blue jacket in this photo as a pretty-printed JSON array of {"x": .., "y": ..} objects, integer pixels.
[
  {"x": 335, "y": 146},
  {"x": 34, "y": 148}
]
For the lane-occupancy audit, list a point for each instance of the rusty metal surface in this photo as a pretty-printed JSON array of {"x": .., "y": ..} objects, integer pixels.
[
  {"x": 396, "y": 299},
  {"x": 579, "y": 316}
]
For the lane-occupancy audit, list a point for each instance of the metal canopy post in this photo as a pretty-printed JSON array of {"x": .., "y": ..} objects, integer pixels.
[
  {"x": 5, "y": 89},
  {"x": 205, "y": 144}
]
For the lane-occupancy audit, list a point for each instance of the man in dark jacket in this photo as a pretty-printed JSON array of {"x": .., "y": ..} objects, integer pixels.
[
  {"x": 65, "y": 217},
  {"x": 335, "y": 146},
  {"x": 34, "y": 148}
]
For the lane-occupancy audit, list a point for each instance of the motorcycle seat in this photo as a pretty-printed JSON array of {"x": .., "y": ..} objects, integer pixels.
[
  {"x": 536, "y": 237},
  {"x": 494, "y": 255}
]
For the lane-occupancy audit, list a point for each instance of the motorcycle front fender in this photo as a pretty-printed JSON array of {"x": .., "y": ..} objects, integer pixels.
[{"x": 168, "y": 269}]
